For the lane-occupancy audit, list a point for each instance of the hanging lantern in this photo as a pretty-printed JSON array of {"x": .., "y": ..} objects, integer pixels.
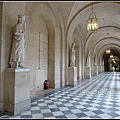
[
  {"x": 108, "y": 51},
  {"x": 92, "y": 23}
]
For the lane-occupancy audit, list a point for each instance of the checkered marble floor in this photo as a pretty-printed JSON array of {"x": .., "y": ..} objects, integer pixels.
[{"x": 98, "y": 97}]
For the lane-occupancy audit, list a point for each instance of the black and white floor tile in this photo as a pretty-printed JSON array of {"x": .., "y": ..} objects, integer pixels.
[{"x": 98, "y": 97}]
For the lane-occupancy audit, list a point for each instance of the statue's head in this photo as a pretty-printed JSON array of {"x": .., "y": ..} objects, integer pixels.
[
  {"x": 73, "y": 44},
  {"x": 21, "y": 18}
]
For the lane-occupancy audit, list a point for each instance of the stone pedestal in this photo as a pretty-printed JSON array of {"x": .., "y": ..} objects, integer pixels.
[
  {"x": 100, "y": 69},
  {"x": 95, "y": 70},
  {"x": 72, "y": 76},
  {"x": 87, "y": 72},
  {"x": 17, "y": 90}
]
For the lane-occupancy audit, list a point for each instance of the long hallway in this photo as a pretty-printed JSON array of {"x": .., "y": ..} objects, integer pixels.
[{"x": 98, "y": 97}]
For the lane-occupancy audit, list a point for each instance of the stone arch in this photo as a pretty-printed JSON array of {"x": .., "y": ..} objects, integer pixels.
[
  {"x": 78, "y": 41},
  {"x": 116, "y": 63},
  {"x": 103, "y": 49},
  {"x": 111, "y": 46},
  {"x": 60, "y": 19},
  {"x": 102, "y": 36},
  {"x": 43, "y": 19},
  {"x": 112, "y": 43}
]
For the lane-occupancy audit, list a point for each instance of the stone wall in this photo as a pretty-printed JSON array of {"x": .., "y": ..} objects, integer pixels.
[{"x": 39, "y": 20}]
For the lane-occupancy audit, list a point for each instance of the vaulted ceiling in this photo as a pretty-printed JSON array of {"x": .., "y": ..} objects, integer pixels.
[{"x": 76, "y": 13}]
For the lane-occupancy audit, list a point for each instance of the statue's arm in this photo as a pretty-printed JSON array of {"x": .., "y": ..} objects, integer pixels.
[{"x": 17, "y": 33}]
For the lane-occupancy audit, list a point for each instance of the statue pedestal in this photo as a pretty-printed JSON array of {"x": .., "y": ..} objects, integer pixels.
[
  {"x": 72, "y": 76},
  {"x": 95, "y": 70},
  {"x": 87, "y": 72},
  {"x": 103, "y": 68},
  {"x": 17, "y": 90},
  {"x": 100, "y": 69}
]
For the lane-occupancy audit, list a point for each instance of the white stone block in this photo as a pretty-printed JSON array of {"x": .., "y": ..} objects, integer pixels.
[
  {"x": 95, "y": 70},
  {"x": 72, "y": 76},
  {"x": 87, "y": 72},
  {"x": 17, "y": 90}
]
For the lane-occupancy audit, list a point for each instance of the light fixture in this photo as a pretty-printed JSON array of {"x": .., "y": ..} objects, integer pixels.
[
  {"x": 108, "y": 51},
  {"x": 111, "y": 56},
  {"x": 92, "y": 23}
]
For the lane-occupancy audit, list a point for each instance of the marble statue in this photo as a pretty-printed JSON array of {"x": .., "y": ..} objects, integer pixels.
[
  {"x": 88, "y": 59},
  {"x": 103, "y": 62},
  {"x": 100, "y": 61},
  {"x": 18, "y": 46},
  {"x": 72, "y": 55},
  {"x": 95, "y": 60}
]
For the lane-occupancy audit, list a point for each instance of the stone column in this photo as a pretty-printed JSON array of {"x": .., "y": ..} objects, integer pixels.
[
  {"x": 72, "y": 76},
  {"x": 17, "y": 90},
  {"x": 87, "y": 72}
]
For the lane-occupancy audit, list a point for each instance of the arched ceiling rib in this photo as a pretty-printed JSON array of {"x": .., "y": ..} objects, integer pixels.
[
  {"x": 105, "y": 34},
  {"x": 106, "y": 41},
  {"x": 111, "y": 46}
]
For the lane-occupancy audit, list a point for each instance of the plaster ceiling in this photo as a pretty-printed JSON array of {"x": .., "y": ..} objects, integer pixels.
[
  {"x": 107, "y": 13},
  {"x": 75, "y": 15}
]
